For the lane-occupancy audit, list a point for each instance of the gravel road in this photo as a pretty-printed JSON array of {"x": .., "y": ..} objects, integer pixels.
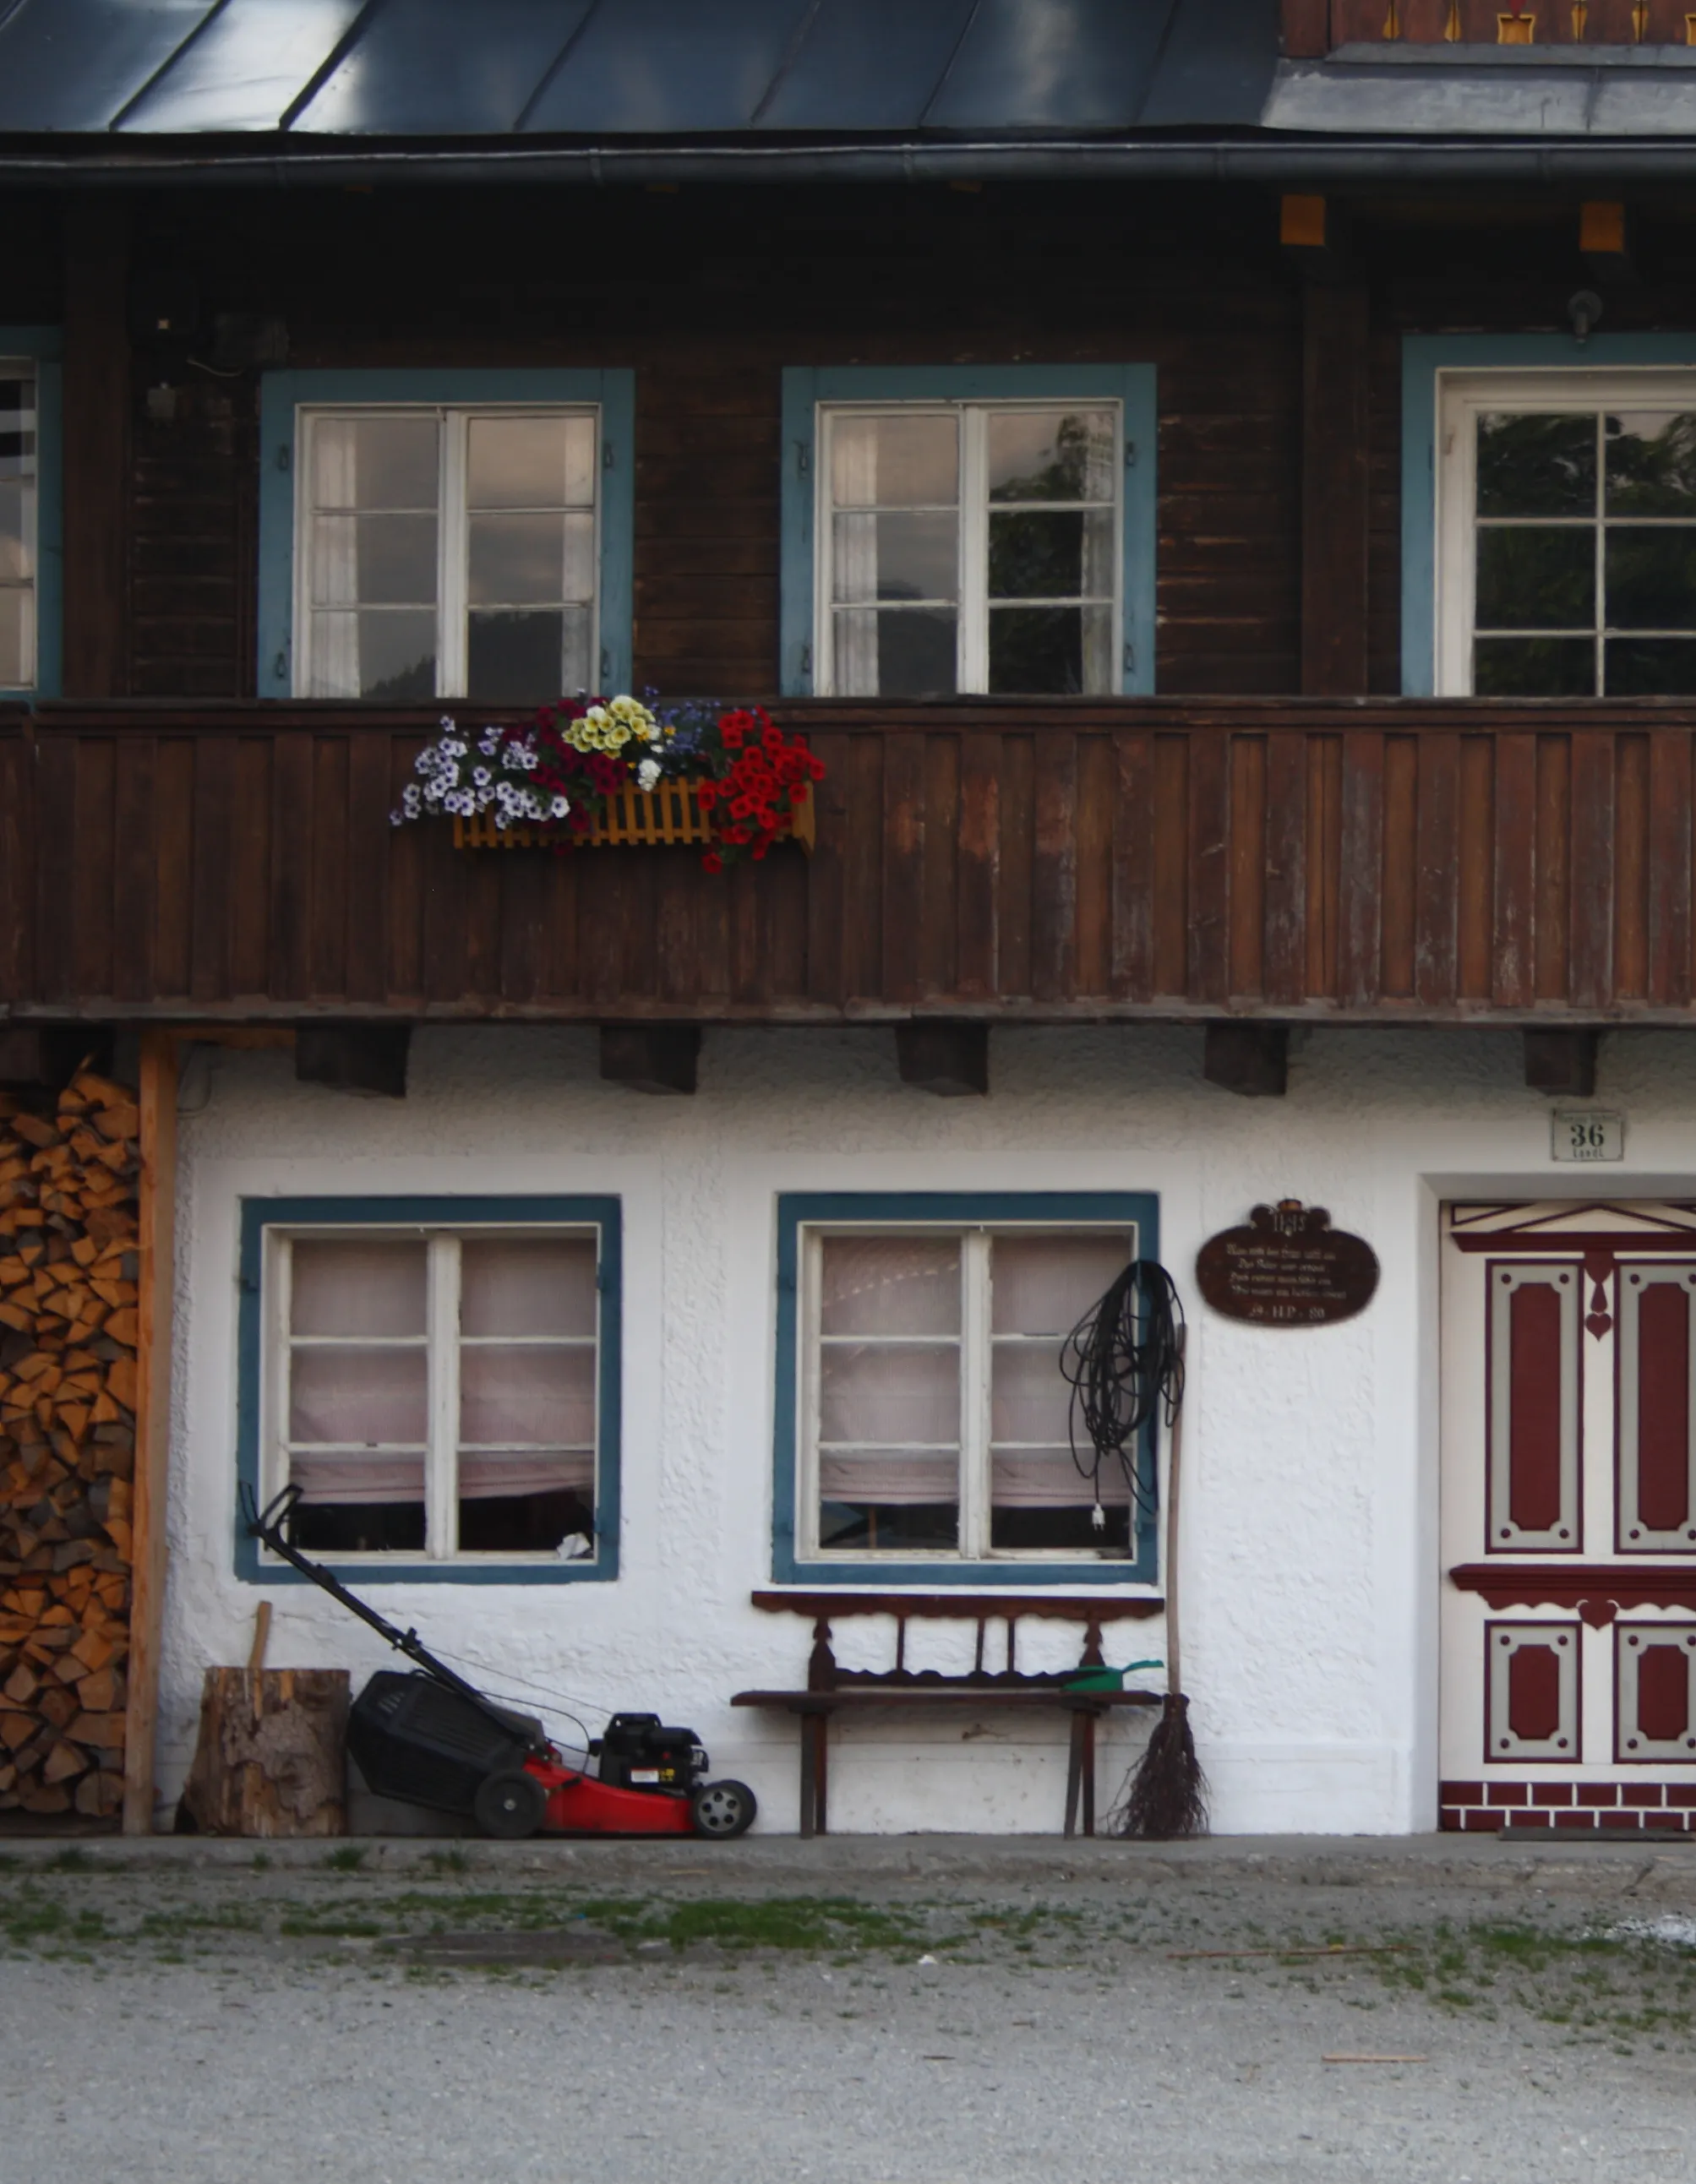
[{"x": 1054, "y": 2015}]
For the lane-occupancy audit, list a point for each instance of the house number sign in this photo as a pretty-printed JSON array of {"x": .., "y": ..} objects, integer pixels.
[{"x": 1288, "y": 1268}]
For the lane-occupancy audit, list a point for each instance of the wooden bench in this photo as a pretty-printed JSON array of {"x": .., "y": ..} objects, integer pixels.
[{"x": 832, "y": 1690}]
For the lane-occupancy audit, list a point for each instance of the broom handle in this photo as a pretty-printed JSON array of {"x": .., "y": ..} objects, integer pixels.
[{"x": 1174, "y": 1678}]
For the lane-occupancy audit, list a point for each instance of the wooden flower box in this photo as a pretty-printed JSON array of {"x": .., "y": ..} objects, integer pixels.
[{"x": 665, "y": 814}]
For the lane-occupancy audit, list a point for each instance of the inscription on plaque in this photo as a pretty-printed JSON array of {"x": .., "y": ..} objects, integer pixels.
[{"x": 1287, "y": 1268}]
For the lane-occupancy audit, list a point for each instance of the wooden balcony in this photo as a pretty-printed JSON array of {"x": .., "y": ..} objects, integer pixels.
[{"x": 1283, "y": 859}]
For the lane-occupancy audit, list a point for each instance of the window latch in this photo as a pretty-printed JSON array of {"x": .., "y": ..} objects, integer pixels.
[
  {"x": 282, "y": 458},
  {"x": 280, "y": 667},
  {"x": 606, "y": 454},
  {"x": 806, "y": 660},
  {"x": 1130, "y": 454},
  {"x": 1129, "y": 657},
  {"x": 803, "y": 459},
  {"x": 606, "y": 665}
]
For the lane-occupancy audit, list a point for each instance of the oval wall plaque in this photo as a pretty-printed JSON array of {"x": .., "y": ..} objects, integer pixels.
[{"x": 1289, "y": 1268}]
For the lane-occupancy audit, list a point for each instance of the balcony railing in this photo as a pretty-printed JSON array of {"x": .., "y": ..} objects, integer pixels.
[{"x": 1286, "y": 859}]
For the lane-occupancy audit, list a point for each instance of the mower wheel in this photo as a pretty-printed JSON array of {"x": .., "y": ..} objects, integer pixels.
[
  {"x": 723, "y": 1809},
  {"x": 510, "y": 1806}
]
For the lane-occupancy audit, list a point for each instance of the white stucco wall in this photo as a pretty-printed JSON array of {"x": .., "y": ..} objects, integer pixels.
[{"x": 1309, "y": 1562}]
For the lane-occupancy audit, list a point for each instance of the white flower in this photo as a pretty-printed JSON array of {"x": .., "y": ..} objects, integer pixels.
[
  {"x": 489, "y": 744},
  {"x": 482, "y": 776},
  {"x": 559, "y": 807},
  {"x": 397, "y": 818},
  {"x": 647, "y": 774}
]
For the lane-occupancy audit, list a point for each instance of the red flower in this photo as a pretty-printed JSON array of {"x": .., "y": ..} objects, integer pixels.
[
  {"x": 799, "y": 792},
  {"x": 773, "y": 741},
  {"x": 760, "y": 849},
  {"x": 706, "y": 795},
  {"x": 712, "y": 862}
]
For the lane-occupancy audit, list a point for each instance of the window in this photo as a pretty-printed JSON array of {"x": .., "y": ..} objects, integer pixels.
[
  {"x": 29, "y": 511},
  {"x": 991, "y": 536},
  {"x": 930, "y": 1416},
  {"x": 438, "y": 548},
  {"x": 443, "y": 1392}
]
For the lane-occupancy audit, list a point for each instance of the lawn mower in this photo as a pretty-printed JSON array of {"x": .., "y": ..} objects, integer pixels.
[{"x": 427, "y": 1737}]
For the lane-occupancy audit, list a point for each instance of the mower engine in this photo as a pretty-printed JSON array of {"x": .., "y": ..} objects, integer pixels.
[{"x": 636, "y": 1753}]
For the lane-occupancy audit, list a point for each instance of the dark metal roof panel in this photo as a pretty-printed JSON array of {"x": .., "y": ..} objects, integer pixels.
[
  {"x": 1052, "y": 64},
  {"x": 71, "y": 65},
  {"x": 441, "y": 68},
  {"x": 868, "y": 65},
  {"x": 659, "y": 67},
  {"x": 244, "y": 69},
  {"x": 1216, "y": 67}
]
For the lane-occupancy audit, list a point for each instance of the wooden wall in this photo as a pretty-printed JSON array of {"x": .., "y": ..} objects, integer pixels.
[{"x": 1287, "y": 858}]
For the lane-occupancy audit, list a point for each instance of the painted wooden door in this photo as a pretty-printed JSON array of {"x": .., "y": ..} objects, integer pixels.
[{"x": 1568, "y": 1625}]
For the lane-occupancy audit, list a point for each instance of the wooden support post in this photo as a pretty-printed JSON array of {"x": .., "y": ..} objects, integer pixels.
[
  {"x": 96, "y": 440},
  {"x": 1334, "y": 491},
  {"x": 1562, "y": 1063},
  {"x": 355, "y": 1057},
  {"x": 1252, "y": 1059},
  {"x": 650, "y": 1058},
  {"x": 156, "y": 1237},
  {"x": 949, "y": 1059}
]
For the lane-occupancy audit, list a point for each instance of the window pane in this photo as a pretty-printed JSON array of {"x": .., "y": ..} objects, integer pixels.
[
  {"x": 897, "y": 557},
  {"x": 375, "y": 462},
  {"x": 1651, "y": 577},
  {"x": 1042, "y": 651},
  {"x": 17, "y": 421},
  {"x": 542, "y": 1396},
  {"x": 373, "y": 560},
  {"x": 512, "y": 658},
  {"x": 357, "y": 1504},
  {"x": 1050, "y": 554},
  {"x": 516, "y": 559},
  {"x": 515, "y": 1286},
  {"x": 1030, "y": 1398},
  {"x": 895, "y": 462},
  {"x": 17, "y": 529},
  {"x": 530, "y": 462},
  {"x": 1050, "y": 455},
  {"x": 865, "y": 1511},
  {"x": 1534, "y": 667},
  {"x": 891, "y": 1286},
  {"x": 902, "y": 652},
  {"x": 1651, "y": 463},
  {"x": 357, "y": 1288},
  {"x": 388, "y": 653},
  {"x": 1045, "y": 1284},
  {"x": 896, "y": 1397},
  {"x": 1536, "y": 466},
  {"x": 352, "y": 1479},
  {"x": 17, "y": 639},
  {"x": 372, "y": 1397},
  {"x": 524, "y": 1505},
  {"x": 1537, "y": 579},
  {"x": 1650, "y": 667},
  {"x": 1039, "y": 1501}
]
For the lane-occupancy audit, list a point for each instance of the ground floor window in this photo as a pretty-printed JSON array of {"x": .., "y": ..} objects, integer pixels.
[{"x": 439, "y": 1391}]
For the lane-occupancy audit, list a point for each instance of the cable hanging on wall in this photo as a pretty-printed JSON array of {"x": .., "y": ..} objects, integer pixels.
[{"x": 1124, "y": 1362}]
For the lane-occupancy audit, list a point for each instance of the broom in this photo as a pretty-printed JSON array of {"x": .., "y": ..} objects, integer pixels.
[{"x": 1168, "y": 1795}]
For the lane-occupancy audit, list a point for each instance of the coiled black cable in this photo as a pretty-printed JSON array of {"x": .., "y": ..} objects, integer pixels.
[{"x": 1125, "y": 1360}]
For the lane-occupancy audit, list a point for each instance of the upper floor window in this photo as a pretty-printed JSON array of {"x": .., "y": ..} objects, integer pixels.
[
  {"x": 20, "y": 501},
  {"x": 984, "y": 531},
  {"x": 1567, "y": 534},
  {"x": 443, "y": 548}
]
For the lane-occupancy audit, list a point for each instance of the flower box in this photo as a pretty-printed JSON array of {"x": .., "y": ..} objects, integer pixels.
[{"x": 666, "y": 813}]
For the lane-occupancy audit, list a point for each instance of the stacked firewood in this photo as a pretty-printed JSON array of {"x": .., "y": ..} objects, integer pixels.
[{"x": 69, "y": 1272}]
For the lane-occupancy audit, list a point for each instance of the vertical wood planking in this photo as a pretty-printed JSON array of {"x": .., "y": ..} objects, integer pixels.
[
  {"x": 1054, "y": 870},
  {"x": 1245, "y": 973},
  {"x": 1287, "y": 866},
  {"x": 368, "y": 838},
  {"x": 1551, "y": 961},
  {"x": 939, "y": 941},
  {"x": 523, "y": 881},
  {"x": 827, "y": 906},
  {"x": 1475, "y": 833},
  {"x": 1669, "y": 868},
  {"x": 404, "y": 907},
  {"x": 978, "y": 904},
  {"x": 156, "y": 1238},
  {"x": 91, "y": 901},
  {"x": 1592, "y": 799},
  {"x": 1017, "y": 807},
  {"x": 1436, "y": 899},
  {"x": 96, "y": 464},
  {"x": 55, "y": 826},
  {"x": 1360, "y": 880},
  {"x": 250, "y": 854},
  {"x": 17, "y": 875},
  {"x": 903, "y": 862},
  {"x": 291, "y": 868},
  {"x": 174, "y": 866},
  {"x": 1514, "y": 980},
  {"x": 329, "y": 927},
  {"x": 863, "y": 855},
  {"x": 1171, "y": 865},
  {"x": 1335, "y": 498},
  {"x": 1209, "y": 878},
  {"x": 134, "y": 873},
  {"x": 676, "y": 890},
  {"x": 783, "y": 908},
  {"x": 1325, "y": 862},
  {"x": 1400, "y": 864},
  {"x": 1097, "y": 771},
  {"x": 1133, "y": 868},
  {"x": 445, "y": 881},
  {"x": 1630, "y": 968},
  {"x": 215, "y": 775}
]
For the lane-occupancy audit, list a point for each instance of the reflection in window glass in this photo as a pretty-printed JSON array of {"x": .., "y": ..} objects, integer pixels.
[
  {"x": 18, "y": 517},
  {"x": 1585, "y": 554}
]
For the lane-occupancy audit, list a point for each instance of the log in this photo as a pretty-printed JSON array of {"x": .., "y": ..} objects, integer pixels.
[{"x": 270, "y": 1758}]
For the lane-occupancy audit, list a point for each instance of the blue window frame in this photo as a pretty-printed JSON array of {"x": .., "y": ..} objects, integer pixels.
[
  {"x": 885, "y": 1270},
  {"x": 31, "y": 500},
  {"x": 813, "y": 395},
  {"x": 1435, "y": 616},
  {"x": 505, "y": 1325},
  {"x": 289, "y": 399}
]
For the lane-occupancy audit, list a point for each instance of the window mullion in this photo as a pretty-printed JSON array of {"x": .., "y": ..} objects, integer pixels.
[
  {"x": 824, "y": 538},
  {"x": 975, "y": 1354},
  {"x": 278, "y": 1284},
  {"x": 973, "y": 656},
  {"x": 453, "y": 550},
  {"x": 811, "y": 1358},
  {"x": 1599, "y": 606},
  {"x": 441, "y": 1461}
]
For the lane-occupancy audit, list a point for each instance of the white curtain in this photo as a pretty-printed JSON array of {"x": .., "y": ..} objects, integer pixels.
[
  {"x": 334, "y": 586},
  {"x": 854, "y": 477}
]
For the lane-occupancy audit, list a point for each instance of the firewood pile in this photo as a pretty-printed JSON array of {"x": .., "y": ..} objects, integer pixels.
[{"x": 69, "y": 1271}]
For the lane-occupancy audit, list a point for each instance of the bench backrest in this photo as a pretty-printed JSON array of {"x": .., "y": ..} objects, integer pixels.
[{"x": 825, "y": 1608}]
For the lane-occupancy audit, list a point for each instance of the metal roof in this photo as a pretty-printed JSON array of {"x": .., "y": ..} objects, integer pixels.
[{"x": 430, "y": 68}]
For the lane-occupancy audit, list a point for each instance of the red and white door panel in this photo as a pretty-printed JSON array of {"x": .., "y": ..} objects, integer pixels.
[{"x": 1568, "y": 1628}]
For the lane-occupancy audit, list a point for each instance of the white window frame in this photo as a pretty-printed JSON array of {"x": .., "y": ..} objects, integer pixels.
[
  {"x": 442, "y": 1341},
  {"x": 452, "y": 529},
  {"x": 972, "y": 635},
  {"x": 29, "y": 367},
  {"x": 976, "y": 1357},
  {"x": 1461, "y": 396}
]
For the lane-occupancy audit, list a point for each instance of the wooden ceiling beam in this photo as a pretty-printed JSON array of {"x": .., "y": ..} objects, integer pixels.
[
  {"x": 951, "y": 1059},
  {"x": 354, "y": 1057},
  {"x": 1250, "y": 1059},
  {"x": 1562, "y": 1063},
  {"x": 660, "y": 1058}
]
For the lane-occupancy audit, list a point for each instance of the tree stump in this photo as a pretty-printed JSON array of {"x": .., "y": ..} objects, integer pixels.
[{"x": 270, "y": 1761}]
